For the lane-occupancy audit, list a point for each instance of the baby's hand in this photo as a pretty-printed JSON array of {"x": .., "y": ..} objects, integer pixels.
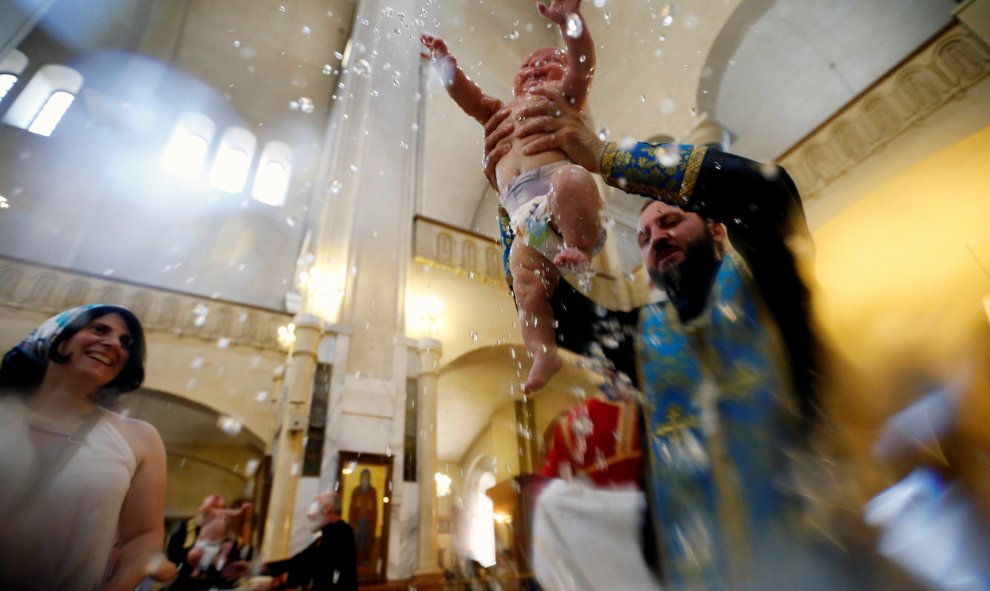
[
  {"x": 559, "y": 10},
  {"x": 438, "y": 49}
]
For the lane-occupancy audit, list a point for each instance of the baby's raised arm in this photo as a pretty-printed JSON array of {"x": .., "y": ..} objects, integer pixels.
[
  {"x": 580, "y": 49},
  {"x": 465, "y": 93}
]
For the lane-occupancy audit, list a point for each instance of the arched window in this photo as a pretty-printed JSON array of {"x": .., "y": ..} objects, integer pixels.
[
  {"x": 271, "y": 182},
  {"x": 233, "y": 160},
  {"x": 7, "y": 81},
  {"x": 11, "y": 67},
  {"x": 482, "y": 522},
  {"x": 51, "y": 113},
  {"x": 185, "y": 152},
  {"x": 45, "y": 99}
]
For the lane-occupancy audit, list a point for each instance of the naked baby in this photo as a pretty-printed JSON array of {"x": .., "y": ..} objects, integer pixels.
[{"x": 554, "y": 205}]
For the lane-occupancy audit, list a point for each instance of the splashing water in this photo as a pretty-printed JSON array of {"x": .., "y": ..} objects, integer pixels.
[
  {"x": 362, "y": 68},
  {"x": 574, "y": 26},
  {"x": 667, "y": 14},
  {"x": 584, "y": 278},
  {"x": 667, "y": 155}
]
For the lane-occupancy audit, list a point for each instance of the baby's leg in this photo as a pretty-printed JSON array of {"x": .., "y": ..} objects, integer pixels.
[
  {"x": 533, "y": 282},
  {"x": 576, "y": 211}
]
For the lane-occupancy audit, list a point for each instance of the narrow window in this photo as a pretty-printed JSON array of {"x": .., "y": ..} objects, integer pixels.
[
  {"x": 7, "y": 81},
  {"x": 271, "y": 182},
  {"x": 233, "y": 161},
  {"x": 51, "y": 113},
  {"x": 187, "y": 147}
]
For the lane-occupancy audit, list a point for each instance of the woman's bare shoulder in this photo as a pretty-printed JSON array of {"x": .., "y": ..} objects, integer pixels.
[{"x": 140, "y": 435}]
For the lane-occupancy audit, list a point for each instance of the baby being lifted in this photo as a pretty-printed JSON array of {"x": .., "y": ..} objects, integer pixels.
[{"x": 554, "y": 205}]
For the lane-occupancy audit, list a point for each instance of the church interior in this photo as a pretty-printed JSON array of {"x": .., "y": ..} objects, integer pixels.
[{"x": 283, "y": 193}]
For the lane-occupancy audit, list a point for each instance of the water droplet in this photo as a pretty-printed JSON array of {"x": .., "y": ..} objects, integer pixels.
[
  {"x": 262, "y": 396},
  {"x": 223, "y": 342},
  {"x": 237, "y": 43},
  {"x": 351, "y": 169},
  {"x": 474, "y": 335},
  {"x": 362, "y": 68},
  {"x": 306, "y": 105},
  {"x": 339, "y": 56},
  {"x": 608, "y": 17},
  {"x": 691, "y": 22},
  {"x": 197, "y": 362},
  {"x": 668, "y": 155},
  {"x": 667, "y": 14},
  {"x": 327, "y": 69},
  {"x": 281, "y": 8},
  {"x": 667, "y": 105},
  {"x": 574, "y": 26},
  {"x": 336, "y": 186},
  {"x": 513, "y": 35},
  {"x": 306, "y": 31}
]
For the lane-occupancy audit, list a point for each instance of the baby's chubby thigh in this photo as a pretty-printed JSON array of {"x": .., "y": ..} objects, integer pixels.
[{"x": 572, "y": 186}]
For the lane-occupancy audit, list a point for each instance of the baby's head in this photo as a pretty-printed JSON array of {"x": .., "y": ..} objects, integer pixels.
[{"x": 546, "y": 64}]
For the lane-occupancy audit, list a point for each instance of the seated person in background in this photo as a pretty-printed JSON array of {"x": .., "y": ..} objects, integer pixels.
[
  {"x": 329, "y": 563},
  {"x": 553, "y": 204}
]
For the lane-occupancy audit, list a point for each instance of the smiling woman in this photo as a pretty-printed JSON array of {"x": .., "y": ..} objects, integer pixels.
[{"x": 79, "y": 480}]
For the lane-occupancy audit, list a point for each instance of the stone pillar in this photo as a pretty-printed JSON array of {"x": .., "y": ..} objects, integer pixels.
[
  {"x": 526, "y": 436},
  {"x": 288, "y": 448},
  {"x": 426, "y": 456},
  {"x": 975, "y": 14},
  {"x": 705, "y": 131}
]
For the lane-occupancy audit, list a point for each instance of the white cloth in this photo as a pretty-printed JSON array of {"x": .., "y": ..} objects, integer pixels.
[
  {"x": 587, "y": 538},
  {"x": 62, "y": 536}
]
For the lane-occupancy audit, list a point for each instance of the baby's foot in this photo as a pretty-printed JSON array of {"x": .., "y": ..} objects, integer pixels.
[
  {"x": 571, "y": 258},
  {"x": 545, "y": 365}
]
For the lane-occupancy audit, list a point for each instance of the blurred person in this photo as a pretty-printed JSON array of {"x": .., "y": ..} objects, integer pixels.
[
  {"x": 208, "y": 554},
  {"x": 553, "y": 206},
  {"x": 77, "y": 476},
  {"x": 729, "y": 362},
  {"x": 330, "y": 562},
  {"x": 930, "y": 521},
  {"x": 586, "y": 518}
]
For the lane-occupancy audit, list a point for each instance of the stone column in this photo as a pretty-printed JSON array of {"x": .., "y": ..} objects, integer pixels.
[
  {"x": 288, "y": 448},
  {"x": 705, "y": 131},
  {"x": 426, "y": 456},
  {"x": 526, "y": 436}
]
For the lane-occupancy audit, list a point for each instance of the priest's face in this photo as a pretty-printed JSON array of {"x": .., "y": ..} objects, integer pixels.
[{"x": 669, "y": 237}]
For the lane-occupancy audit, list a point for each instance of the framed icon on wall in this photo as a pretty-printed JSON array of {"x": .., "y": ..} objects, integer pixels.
[{"x": 365, "y": 485}]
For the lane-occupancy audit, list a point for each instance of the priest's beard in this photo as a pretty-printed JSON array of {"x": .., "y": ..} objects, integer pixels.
[{"x": 687, "y": 284}]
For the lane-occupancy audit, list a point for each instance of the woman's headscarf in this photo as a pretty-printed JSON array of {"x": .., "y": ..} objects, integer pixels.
[{"x": 24, "y": 366}]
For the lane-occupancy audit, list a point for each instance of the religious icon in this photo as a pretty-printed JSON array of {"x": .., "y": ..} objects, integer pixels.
[{"x": 365, "y": 486}]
